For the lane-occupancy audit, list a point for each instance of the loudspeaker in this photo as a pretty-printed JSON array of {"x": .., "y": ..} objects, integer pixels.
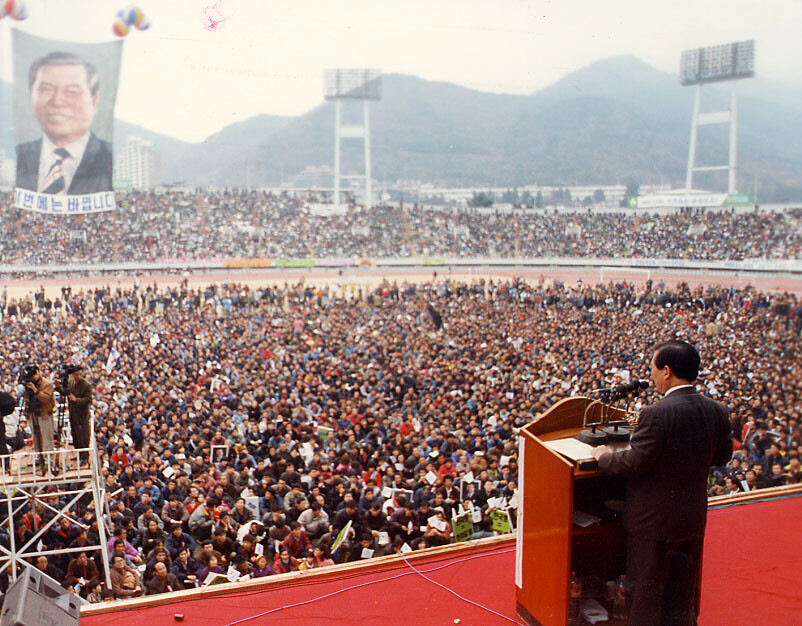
[{"x": 35, "y": 600}]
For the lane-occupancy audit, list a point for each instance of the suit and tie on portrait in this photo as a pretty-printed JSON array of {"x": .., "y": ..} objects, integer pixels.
[{"x": 69, "y": 158}]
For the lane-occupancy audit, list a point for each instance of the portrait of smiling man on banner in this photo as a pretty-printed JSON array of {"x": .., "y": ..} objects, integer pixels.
[
  {"x": 68, "y": 158},
  {"x": 64, "y": 95}
]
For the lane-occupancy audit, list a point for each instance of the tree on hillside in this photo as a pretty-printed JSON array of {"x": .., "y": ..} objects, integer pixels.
[
  {"x": 632, "y": 190},
  {"x": 598, "y": 196},
  {"x": 560, "y": 196},
  {"x": 481, "y": 199},
  {"x": 510, "y": 196}
]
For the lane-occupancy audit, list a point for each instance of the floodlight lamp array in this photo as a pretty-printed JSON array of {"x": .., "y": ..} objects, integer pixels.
[
  {"x": 729, "y": 61},
  {"x": 352, "y": 84}
]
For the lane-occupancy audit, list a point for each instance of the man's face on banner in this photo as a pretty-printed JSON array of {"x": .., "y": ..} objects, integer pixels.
[{"x": 63, "y": 103}]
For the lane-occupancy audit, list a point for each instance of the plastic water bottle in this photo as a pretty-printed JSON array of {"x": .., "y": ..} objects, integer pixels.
[
  {"x": 620, "y": 598},
  {"x": 575, "y": 597}
]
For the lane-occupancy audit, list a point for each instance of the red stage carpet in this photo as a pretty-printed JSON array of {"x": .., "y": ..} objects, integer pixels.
[
  {"x": 753, "y": 556},
  {"x": 752, "y": 564}
]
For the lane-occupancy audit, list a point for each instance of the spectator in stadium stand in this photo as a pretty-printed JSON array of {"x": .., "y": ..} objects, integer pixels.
[
  {"x": 242, "y": 566},
  {"x": 147, "y": 540},
  {"x": 82, "y": 567},
  {"x": 44, "y": 565},
  {"x": 174, "y": 512},
  {"x": 95, "y": 593},
  {"x": 297, "y": 542},
  {"x": 213, "y": 567},
  {"x": 120, "y": 547},
  {"x": 436, "y": 536},
  {"x": 222, "y": 543},
  {"x": 394, "y": 547},
  {"x": 158, "y": 554},
  {"x": 363, "y": 549},
  {"x": 375, "y": 520},
  {"x": 207, "y": 552},
  {"x": 241, "y": 514},
  {"x": 147, "y": 516},
  {"x": 284, "y": 562},
  {"x": 201, "y": 522},
  {"x": 720, "y": 235},
  {"x": 186, "y": 568},
  {"x": 179, "y": 540},
  {"x": 163, "y": 581},
  {"x": 322, "y": 556},
  {"x": 246, "y": 547},
  {"x": 279, "y": 529},
  {"x": 485, "y": 529},
  {"x": 226, "y": 525},
  {"x": 124, "y": 579},
  {"x": 262, "y": 568},
  {"x": 404, "y": 522},
  {"x": 314, "y": 521}
]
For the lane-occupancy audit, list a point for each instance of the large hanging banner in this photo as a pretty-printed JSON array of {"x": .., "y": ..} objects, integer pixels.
[{"x": 64, "y": 96}]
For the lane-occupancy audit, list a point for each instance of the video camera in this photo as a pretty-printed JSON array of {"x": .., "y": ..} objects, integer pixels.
[
  {"x": 27, "y": 372},
  {"x": 63, "y": 373}
]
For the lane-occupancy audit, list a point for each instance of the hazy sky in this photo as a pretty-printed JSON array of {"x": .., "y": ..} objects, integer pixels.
[{"x": 268, "y": 56}]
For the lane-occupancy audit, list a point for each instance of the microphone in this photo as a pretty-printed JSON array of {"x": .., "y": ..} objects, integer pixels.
[
  {"x": 624, "y": 389},
  {"x": 632, "y": 387}
]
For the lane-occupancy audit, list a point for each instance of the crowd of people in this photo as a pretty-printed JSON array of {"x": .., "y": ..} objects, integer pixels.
[
  {"x": 241, "y": 224},
  {"x": 259, "y": 431}
]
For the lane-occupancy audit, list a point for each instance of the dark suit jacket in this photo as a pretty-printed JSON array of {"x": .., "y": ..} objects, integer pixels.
[
  {"x": 82, "y": 391},
  {"x": 93, "y": 173},
  {"x": 674, "y": 445}
]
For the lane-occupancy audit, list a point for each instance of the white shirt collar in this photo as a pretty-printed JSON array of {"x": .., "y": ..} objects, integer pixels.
[
  {"x": 677, "y": 387},
  {"x": 70, "y": 164}
]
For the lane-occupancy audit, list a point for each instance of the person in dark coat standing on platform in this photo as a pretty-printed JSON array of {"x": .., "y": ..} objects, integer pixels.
[
  {"x": 675, "y": 443},
  {"x": 80, "y": 398}
]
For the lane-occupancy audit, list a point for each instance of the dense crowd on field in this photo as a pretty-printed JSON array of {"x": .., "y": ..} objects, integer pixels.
[
  {"x": 241, "y": 224},
  {"x": 244, "y": 430}
]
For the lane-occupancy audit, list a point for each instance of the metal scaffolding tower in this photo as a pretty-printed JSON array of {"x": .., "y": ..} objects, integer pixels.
[
  {"x": 352, "y": 85},
  {"x": 727, "y": 62},
  {"x": 63, "y": 479}
]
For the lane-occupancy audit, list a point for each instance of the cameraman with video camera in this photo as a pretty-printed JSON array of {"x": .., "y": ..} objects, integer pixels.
[
  {"x": 40, "y": 402},
  {"x": 80, "y": 398}
]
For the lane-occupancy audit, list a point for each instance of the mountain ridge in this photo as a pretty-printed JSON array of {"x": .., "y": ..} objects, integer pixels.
[{"x": 613, "y": 120}]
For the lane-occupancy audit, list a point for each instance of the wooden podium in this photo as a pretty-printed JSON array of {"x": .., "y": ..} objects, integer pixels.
[{"x": 549, "y": 545}]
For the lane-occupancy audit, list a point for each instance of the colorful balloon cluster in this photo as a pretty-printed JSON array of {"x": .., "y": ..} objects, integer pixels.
[
  {"x": 128, "y": 17},
  {"x": 15, "y": 9}
]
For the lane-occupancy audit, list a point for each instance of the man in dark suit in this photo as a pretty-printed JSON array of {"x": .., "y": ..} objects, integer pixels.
[
  {"x": 674, "y": 445},
  {"x": 80, "y": 399},
  {"x": 69, "y": 158}
]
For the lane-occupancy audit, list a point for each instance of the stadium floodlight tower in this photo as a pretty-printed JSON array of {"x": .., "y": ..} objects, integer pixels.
[
  {"x": 352, "y": 85},
  {"x": 726, "y": 62}
]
